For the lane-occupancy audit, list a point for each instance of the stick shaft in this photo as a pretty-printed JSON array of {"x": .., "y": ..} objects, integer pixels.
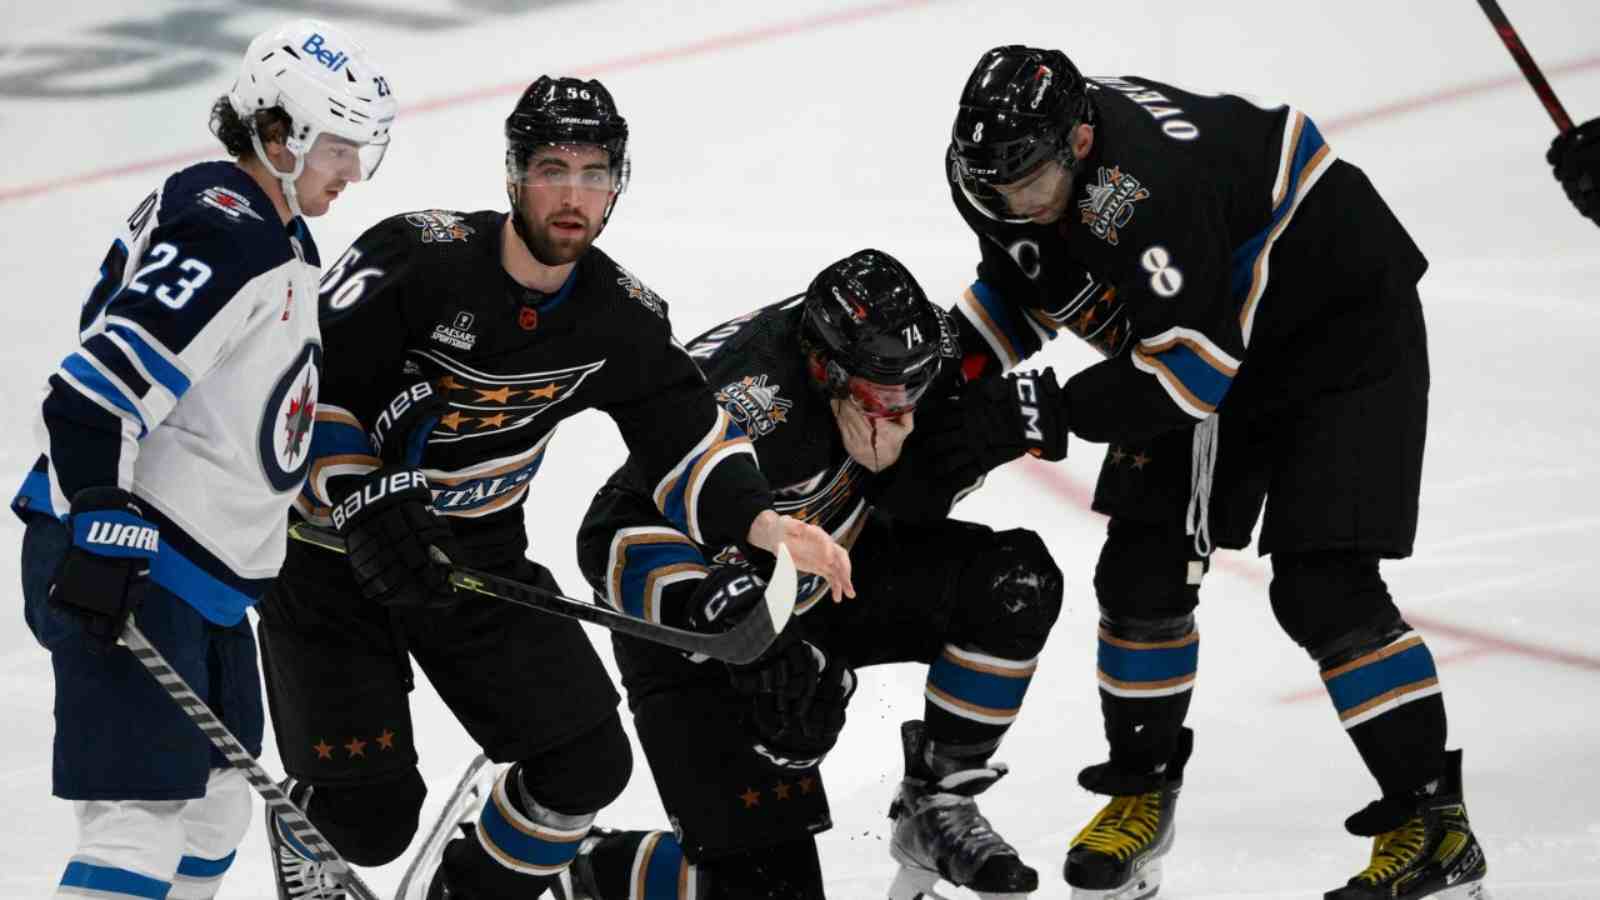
[
  {"x": 221, "y": 738},
  {"x": 1530, "y": 69}
]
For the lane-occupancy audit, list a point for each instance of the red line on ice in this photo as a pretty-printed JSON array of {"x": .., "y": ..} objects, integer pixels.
[{"x": 703, "y": 47}]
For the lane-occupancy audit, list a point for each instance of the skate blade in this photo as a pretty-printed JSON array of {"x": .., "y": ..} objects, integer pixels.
[
  {"x": 1477, "y": 890},
  {"x": 912, "y": 883},
  {"x": 470, "y": 793},
  {"x": 1144, "y": 883}
]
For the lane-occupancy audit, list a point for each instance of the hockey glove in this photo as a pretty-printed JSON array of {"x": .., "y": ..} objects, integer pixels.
[
  {"x": 723, "y": 598},
  {"x": 102, "y": 577},
  {"x": 989, "y": 423},
  {"x": 1575, "y": 156},
  {"x": 797, "y": 703},
  {"x": 399, "y": 549}
]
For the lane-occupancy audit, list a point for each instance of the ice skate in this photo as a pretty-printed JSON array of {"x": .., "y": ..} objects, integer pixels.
[
  {"x": 298, "y": 876},
  {"x": 939, "y": 833},
  {"x": 1117, "y": 856},
  {"x": 463, "y": 804},
  {"x": 1422, "y": 846}
]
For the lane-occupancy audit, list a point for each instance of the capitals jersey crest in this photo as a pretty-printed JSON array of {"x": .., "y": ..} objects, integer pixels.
[{"x": 482, "y": 404}]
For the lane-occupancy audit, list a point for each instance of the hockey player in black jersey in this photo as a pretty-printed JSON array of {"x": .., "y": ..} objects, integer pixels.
[
  {"x": 1575, "y": 157},
  {"x": 1256, "y": 301},
  {"x": 827, "y": 384},
  {"x": 456, "y": 342}
]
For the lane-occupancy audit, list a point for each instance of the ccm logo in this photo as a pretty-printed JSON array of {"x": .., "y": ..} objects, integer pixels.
[
  {"x": 397, "y": 407},
  {"x": 371, "y": 493},
  {"x": 738, "y": 587},
  {"x": 1028, "y": 404}
]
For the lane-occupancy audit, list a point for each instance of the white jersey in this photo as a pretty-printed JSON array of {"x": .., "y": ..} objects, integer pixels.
[{"x": 194, "y": 385}]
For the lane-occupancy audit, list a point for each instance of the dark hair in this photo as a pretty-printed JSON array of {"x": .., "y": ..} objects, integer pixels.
[{"x": 271, "y": 123}]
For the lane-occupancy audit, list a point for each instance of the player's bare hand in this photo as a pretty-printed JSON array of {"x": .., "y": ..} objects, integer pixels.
[
  {"x": 812, "y": 549},
  {"x": 874, "y": 442}
]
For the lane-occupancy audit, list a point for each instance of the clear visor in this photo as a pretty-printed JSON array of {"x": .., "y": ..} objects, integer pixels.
[
  {"x": 885, "y": 401},
  {"x": 343, "y": 158},
  {"x": 582, "y": 167}
]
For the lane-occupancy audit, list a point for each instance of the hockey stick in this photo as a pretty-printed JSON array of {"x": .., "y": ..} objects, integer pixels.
[
  {"x": 1530, "y": 70},
  {"x": 743, "y": 643},
  {"x": 221, "y": 738}
]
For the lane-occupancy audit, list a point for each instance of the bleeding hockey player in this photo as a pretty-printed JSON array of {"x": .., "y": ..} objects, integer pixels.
[
  {"x": 826, "y": 384},
  {"x": 175, "y": 436},
  {"x": 456, "y": 343},
  {"x": 1143, "y": 218}
]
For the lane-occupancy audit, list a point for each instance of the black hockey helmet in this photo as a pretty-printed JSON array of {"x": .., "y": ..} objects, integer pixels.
[
  {"x": 870, "y": 334},
  {"x": 567, "y": 111},
  {"x": 1017, "y": 111}
]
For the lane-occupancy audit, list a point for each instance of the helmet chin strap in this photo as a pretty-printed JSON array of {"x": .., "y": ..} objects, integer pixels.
[{"x": 286, "y": 180}]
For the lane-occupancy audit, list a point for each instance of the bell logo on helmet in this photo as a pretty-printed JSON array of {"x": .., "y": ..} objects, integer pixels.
[{"x": 332, "y": 60}]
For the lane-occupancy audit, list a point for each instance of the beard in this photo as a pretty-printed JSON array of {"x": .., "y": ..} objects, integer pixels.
[{"x": 551, "y": 248}]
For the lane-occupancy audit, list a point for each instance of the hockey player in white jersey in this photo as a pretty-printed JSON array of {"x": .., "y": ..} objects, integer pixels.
[{"x": 174, "y": 437}]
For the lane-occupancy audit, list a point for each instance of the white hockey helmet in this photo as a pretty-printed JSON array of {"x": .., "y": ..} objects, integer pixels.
[{"x": 327, "y": 84}]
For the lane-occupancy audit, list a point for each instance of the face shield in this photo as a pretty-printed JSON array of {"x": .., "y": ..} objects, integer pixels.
[
  {"x": 337, "y": 157},
  {"x": 880, "y": 400},
  {"x": 586, "y": 168}
]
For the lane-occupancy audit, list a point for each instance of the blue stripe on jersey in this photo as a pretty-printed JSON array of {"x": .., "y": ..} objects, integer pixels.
[
  {"x": 330, "y": 437},
  {"x": 1361, "y": 685},
  {"x": 90, "y": 377},
  {"x": 195, "y": 867},
  {"x": 641, "y": 560},
  {"x": 111, "y": 269},
  {"x": 478, "y": 492},
  {"x": 1148, "y": 664},
  {"x": 108, "y": 354},
  {"x": 661, "y": 870},
  {"x": 1242, "y": 266},
  {"x": 34, "y": 495},
  {"x": 114, "y": 882},
  {"x": 156, "y": 364},
  {"x": 1019, "y": 336},
  {"x": 189, "y": 570},
  {"x": 1201, "y": 379}
]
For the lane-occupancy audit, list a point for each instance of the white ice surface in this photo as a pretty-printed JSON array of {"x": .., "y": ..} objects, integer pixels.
[{"x": 771, "y": 139}]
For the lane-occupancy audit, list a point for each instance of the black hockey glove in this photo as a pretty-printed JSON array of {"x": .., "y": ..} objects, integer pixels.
[
  {"x": 797, "y": 698},
  {"x": 990, "y": 422},
  {"x": 723, "y": 598},
  {"x": 399, "y": 549},
  {"x": 1575, "y": 156},
  {"x": 101, "y": 579}
]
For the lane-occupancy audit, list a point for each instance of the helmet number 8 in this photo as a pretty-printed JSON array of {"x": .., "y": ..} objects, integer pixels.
[{"x": 977, "y": 132}]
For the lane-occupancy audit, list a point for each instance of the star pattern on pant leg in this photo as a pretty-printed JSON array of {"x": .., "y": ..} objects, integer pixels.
[
  {"x": 751, "y": 797},
  {"x": 356, "y": 747},
  {"x": 324, "y": 749}
]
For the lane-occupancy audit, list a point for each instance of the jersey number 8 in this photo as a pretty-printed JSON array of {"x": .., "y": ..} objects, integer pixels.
[{"x": 196, "y": 274}]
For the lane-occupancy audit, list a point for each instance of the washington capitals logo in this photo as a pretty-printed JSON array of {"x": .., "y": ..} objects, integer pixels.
[
  {"x": 755, "y": 405},
  {"x": 298, "y": 421},
  {"x": 440, "y": 227},
  {"x": 639, "y": 291},
  {"x": 1109, "y": 204}
]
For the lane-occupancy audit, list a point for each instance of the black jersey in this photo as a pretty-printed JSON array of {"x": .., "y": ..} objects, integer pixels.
[
  {"x": 755, "y": 365},
  {"x": 1202, "y": 232},
  {"x": 423, "y": 296}
]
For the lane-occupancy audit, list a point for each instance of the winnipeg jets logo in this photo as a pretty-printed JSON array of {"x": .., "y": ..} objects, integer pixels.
[
  {"x": 1109, "y": 204},
  {"x": 298, "y": 420},
  {"x": 288, "y": 419}
]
